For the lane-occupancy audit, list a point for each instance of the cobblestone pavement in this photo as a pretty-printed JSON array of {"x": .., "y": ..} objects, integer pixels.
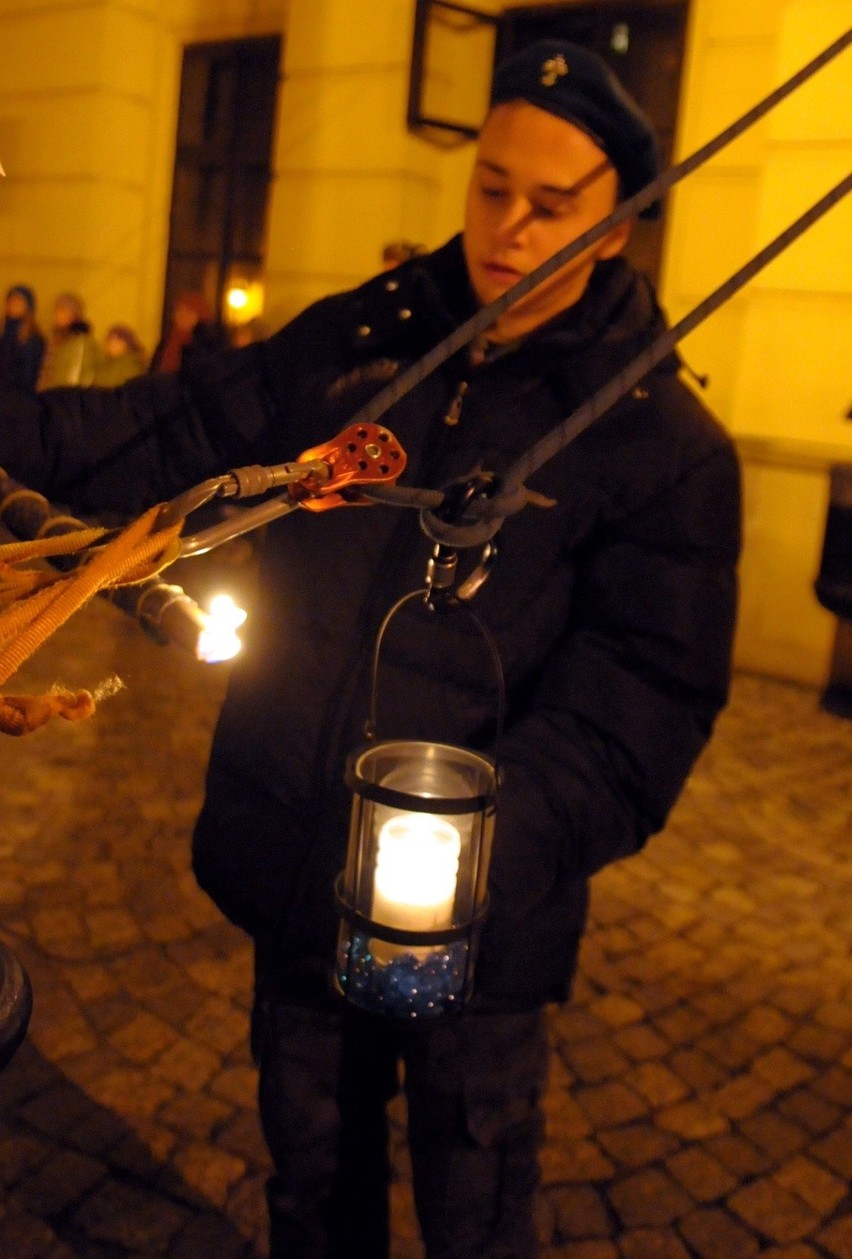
[{"x": 701, "y": 1094}]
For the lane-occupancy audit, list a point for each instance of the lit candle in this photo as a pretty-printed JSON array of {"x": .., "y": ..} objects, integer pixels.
[
  {"x": 414, "y": 888},
  {"x": 218, "y": 640}
]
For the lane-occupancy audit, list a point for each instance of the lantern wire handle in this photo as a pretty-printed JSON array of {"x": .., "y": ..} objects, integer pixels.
[{"x": 447, "y": 604}]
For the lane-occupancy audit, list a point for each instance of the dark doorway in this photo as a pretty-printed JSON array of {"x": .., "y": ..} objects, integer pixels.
[
  {"x": 222, "y": 168},
  {"x": 643, "y": 44}
]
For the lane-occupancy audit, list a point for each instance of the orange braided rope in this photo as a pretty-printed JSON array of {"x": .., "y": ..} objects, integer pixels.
[
  {"x": 37, "y": 604},
  {"x": 48, "y": 546}
]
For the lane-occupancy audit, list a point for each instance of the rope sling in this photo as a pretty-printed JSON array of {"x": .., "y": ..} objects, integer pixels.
[{"x": 35, "y": 603}]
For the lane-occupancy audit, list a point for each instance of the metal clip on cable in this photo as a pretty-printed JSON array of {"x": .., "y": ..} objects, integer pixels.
[
  {"x": 321, "y": 478},
  {"x": 443, "y": 562},
  {"x": 473, "y": 583}
]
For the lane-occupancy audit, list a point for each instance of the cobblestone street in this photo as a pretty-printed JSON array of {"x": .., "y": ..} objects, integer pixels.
[{"x": 701, "y": 1095}]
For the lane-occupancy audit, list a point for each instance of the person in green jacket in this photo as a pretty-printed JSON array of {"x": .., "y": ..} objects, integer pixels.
[
  {"x": 71, "y": 348},
  {"x": 122, "y": 357}
]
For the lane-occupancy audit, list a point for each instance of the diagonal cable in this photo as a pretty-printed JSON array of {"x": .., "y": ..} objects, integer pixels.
[
  {"x": 512, "y": 495},
  {"x": 639, "y": 367},
  {"x": 484, "y": 318}
]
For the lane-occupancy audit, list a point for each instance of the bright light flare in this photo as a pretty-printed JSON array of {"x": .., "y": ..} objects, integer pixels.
[
  {"x": 237, "y": 298},
  {"x": 243, "y": 301},
  {"x": 218, "y": 639}
]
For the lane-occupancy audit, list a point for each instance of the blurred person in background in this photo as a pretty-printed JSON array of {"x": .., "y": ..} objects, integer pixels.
[
  {"x": 246, "y": 334},
  {"x": 22, "y": 342},
  {"x": 71, "y": 351},
  {"x": 397, "y": 251},
  {"x": 192, "y": 329},
  {"x": 123, "y": 357}
]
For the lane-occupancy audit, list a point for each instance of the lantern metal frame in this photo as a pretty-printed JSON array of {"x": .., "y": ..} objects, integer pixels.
[{"x": 428, "y": 972}]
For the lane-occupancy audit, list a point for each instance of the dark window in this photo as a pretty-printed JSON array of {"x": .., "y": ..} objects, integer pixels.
[{"x": 222, "y": 167}]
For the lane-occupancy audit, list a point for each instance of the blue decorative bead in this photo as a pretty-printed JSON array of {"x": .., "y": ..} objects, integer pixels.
[{"x": 407, "y": 986}]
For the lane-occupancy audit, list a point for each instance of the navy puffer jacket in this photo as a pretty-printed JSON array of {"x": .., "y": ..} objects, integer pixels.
[{"x": 613, "y": 610}]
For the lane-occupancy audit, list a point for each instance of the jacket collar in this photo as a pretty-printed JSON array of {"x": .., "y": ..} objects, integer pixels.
[{"x": 409, "y": 310}]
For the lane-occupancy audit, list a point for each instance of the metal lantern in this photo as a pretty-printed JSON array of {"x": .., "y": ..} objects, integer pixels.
[{"x": 413, "y": 894}]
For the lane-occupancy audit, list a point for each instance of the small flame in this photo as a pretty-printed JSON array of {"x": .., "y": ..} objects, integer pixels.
[{"x": 218, "y": 639}]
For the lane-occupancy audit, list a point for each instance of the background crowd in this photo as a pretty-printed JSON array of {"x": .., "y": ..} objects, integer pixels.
[{"x": 68, "y": 352}]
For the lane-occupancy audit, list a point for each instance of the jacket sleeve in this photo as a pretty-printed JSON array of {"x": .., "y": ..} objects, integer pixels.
[
  {"x": 627, "y": 699},
  {"x": 123, "y": 449},
  {"x": 126, "y": 448}
]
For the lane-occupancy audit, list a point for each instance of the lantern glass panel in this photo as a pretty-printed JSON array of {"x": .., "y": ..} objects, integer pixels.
[{"x": 419, "y": 844}]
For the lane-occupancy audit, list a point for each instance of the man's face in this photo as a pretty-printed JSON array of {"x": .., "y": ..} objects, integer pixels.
[{"x": 538, "y": 183}]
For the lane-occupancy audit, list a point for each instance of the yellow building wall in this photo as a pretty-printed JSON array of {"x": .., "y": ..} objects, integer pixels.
[
  {"x": 75, "y": 120},
  {"x": 778, "y": 354},
  {"x": 349, "y": 176},
  {"x": 88, "y": 106}
]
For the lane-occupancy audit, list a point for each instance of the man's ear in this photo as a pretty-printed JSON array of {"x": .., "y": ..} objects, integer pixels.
[{"x": 614, "y": 241}]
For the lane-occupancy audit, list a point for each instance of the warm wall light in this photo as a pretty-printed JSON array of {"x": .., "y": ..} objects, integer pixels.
[
  {"x": 243, "y": 301},
  {"x": 237, "y": 299}
]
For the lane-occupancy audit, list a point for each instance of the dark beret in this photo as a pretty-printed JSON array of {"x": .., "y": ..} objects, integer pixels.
[{"x": 575, "y": 84}]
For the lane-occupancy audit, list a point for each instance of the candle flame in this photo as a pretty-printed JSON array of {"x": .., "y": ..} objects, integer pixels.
[{"x": 218, "y": 640}]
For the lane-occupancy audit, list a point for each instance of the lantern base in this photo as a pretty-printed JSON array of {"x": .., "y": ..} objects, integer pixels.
[{"x": 408, "y": 986}]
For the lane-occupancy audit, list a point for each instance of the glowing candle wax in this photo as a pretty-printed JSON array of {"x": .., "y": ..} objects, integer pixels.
[{"x": 416, "y": 873}]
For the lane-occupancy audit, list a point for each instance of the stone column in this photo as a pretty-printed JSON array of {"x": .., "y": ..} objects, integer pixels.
[{"x": 349, "y": 175}]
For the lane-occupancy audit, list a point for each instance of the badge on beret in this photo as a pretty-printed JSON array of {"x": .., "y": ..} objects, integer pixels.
[
  {"x": 552, "y": 70},
  {"x": 575, "y": 84}
]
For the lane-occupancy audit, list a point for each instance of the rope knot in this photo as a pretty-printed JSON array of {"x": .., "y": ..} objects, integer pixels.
[
  {"x": 21, "y": 714},
  {"x": 474, "y": 509}
]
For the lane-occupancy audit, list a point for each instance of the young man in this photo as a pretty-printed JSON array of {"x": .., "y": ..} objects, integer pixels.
[{"x": 612, "y": 610}]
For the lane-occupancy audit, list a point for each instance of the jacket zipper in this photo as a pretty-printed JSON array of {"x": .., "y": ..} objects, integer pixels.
[{"x": 453, "y": 413}]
